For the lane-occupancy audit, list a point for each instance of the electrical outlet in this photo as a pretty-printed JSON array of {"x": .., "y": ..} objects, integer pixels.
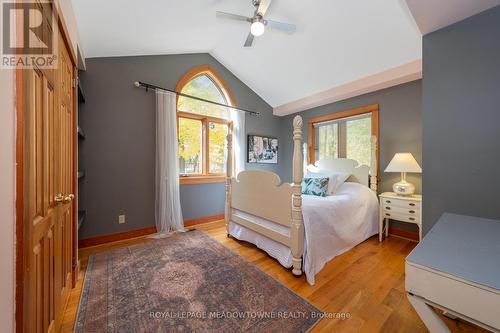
[{"x": 121, "y": 219}]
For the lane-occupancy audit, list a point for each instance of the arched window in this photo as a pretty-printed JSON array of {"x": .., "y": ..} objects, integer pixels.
[{"x": 202, "y": 126}]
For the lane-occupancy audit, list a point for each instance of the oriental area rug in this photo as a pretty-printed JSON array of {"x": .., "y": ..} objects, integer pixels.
[{"x": 186, "y": 282}]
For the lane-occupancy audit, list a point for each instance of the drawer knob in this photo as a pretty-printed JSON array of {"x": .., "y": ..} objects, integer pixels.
[
  {"x": 388, "y": 201},
  {"x": 412, "y": 204},
  {"x": 412, "y": 218},
  {"x": 388, "y": 208},
  {"x": 411, "y": 211},
  {"x": 387, "y": 214}
]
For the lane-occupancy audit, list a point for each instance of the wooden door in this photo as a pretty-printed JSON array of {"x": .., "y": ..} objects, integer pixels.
[
  {"x": 49, "y": 187},
  {"x": 65, "y": 134}
]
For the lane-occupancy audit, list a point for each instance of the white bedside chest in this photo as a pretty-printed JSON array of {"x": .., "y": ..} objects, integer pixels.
[{"x": 405, "y": 209}]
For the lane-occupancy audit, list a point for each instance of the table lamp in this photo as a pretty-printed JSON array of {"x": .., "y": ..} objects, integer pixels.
[{"x": 403, "y": 162}]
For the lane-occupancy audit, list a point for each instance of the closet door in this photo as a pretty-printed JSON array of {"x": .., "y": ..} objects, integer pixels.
[
  {"x": 41, "y": 207},
  {"x": 65, "y": 172},
  {"x": 49, "y": 173}
]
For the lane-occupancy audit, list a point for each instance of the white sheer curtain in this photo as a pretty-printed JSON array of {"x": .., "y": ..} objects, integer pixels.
[
  {"x": 168, "y": 212},
  {"x": 239, "y": 141}
]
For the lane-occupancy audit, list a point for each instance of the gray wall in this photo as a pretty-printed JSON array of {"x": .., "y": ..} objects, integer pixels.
[
  {"x": 461, "y": 118},
  {"x": 400, "y": 127},
  {"x": 119, "y": 150}
]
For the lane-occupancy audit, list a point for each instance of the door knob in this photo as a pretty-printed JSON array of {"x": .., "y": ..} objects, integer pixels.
[
  {"x": 59, "y": 198},
  {"x": 69, "y": 197}
]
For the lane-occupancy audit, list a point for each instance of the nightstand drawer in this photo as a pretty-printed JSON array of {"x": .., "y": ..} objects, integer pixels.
[
  {"x": 401, "y": 217},
  {"x": 400, "y": 203},
  {"x": 401, "y": 210}
]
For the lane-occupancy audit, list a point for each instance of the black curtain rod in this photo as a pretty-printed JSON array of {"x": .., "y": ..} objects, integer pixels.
[{"x": 152, "y": 86}]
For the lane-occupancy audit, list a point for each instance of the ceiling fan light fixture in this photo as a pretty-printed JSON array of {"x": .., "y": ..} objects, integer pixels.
[
  {"x": 257, "y": 22},
  {"x": 257, "y": 28}
]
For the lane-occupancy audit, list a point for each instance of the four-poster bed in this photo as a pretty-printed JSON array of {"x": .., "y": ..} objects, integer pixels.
[{"x": 272, "y": 215}]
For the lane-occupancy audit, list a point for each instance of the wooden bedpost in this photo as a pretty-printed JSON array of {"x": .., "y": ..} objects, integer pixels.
[
  {"x": 297, "y": 227},
  {"x": 229, "y": 175},
  {"x": 305, "y": 156},
  {"x": 374, "y": 164}
]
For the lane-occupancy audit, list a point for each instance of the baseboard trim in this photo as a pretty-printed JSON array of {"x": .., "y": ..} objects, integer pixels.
[
  {"x": 411, "y": 235},
  {"x": 201, "y": 220},
  {"x": 103, "y": 239},
  {"x": 98, "y": 240}
]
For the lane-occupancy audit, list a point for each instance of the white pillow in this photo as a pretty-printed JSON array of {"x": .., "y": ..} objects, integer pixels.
[{"x": 335, "y": 179}]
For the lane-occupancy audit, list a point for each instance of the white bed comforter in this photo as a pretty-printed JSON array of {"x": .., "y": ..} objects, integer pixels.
[{"x": 332, "y": 224}]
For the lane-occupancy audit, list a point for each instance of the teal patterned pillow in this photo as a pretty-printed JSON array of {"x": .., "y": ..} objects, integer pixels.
[{"x": 315, "y": 186}]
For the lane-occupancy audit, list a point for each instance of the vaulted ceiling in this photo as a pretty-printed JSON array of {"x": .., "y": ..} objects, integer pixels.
[
  {"x": 337, "y": 41},
  {"x": 431, "y": 15}
]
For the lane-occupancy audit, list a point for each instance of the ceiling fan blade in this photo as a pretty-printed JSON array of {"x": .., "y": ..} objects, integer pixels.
[
  {"x": 263, "y": 7},
  {"x": 285, "y": 27},
  {"x": 232, "y": 16},
  {"x": 249, "y": 40}
]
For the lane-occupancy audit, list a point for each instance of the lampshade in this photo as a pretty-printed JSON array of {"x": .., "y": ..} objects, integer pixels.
[{"x": 403, "y": 162}]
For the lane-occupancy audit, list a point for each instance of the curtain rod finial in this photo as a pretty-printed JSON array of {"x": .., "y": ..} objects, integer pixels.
[{"x": 137, "y": 84}]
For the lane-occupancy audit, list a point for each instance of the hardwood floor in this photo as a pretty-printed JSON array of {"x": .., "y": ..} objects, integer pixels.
[{"x": 366, "y": 282}]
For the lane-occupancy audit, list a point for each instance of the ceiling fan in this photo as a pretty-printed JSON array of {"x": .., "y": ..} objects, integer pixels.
[{"x": 258, "y": 23}]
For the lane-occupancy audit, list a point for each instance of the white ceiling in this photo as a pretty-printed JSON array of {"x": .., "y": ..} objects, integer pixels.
[
  {"x": 337, "y": 41},
  {"x": 431, "y": 15}
]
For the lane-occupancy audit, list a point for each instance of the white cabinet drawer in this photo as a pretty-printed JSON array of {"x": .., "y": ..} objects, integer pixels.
[
  {"x": 401, "y": 217},
  {"x": 401, "y": 203},
  {"x": 401, "y": 210}
]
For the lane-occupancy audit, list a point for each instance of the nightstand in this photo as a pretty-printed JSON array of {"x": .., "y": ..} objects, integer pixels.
[{"x": 399, "y": 208}]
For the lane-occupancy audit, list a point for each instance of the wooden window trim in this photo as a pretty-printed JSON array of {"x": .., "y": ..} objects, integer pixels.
[
  {"x": 204, "y": 177},
  {"x": 201, "y": 179},
  {"x": 311, "y": 135},
  {"x": 210, "y": 72},
  {"x": 181, "y": 114}
]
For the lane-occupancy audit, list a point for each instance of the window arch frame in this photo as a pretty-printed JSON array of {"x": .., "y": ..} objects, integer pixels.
[
  {"x": 205, "y": 176},
  {"x": 213, "y": 75}
]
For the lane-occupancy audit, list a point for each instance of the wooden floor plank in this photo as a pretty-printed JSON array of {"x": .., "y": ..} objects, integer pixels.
[{"x": 365, "y": 283}]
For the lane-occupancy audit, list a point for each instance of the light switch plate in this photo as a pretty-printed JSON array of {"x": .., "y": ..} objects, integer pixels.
[{"x": 121, "y": 219}]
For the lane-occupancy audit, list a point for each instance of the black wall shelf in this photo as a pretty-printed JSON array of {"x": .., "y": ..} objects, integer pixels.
[
  {"x": 81, "y": 94},
  {"x": 81, "y": 134},
  {"x": 81, "y": 218},
  {"x": 82, "y": 212}
]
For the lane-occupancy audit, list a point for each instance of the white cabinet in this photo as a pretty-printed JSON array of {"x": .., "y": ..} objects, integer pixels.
[{"x": 400, "y": 208}]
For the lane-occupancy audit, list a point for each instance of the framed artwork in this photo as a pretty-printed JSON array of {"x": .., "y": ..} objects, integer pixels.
[{"x": 262, "y": 149}]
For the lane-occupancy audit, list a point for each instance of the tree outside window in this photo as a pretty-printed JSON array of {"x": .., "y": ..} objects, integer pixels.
[
  {"x": 203, "y": 127},
  {"x": 345, "y": 137}
]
